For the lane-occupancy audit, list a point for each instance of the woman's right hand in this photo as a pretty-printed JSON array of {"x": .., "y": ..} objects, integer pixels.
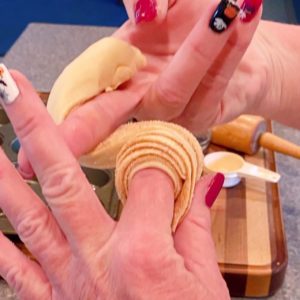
[{"x": 203, "y": 79}]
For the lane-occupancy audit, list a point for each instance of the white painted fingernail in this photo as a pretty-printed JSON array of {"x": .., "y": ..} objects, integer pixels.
[{"x": 8, "y": 88}]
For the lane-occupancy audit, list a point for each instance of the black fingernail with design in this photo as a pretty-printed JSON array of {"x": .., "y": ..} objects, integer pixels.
[{"x": 225, "y": 13}]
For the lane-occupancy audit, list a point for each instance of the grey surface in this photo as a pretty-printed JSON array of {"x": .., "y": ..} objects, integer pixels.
[
  {"x": 43, "y": 51},
  {"x": 279, "y": 10},
  {"x": 289, "y": 187},
  {"x": 289, "y": 168}
]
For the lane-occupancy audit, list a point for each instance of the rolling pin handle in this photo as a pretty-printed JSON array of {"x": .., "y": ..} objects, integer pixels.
[{"x": 278, "y": 144}]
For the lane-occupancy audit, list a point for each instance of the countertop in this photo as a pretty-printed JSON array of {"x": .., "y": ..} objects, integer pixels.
[{"x": 41, "y": 53}]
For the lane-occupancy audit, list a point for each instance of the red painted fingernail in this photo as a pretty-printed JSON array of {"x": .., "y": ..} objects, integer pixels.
[
  {"x": 249, "y": 10},
  {"x": 214, "y": 189},
  {"x": 145, "y": 11}
]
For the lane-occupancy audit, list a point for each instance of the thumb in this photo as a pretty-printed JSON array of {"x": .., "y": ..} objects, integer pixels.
[
  {"x": 193, "y": 239},
  {"x": 140, "y": 11}
]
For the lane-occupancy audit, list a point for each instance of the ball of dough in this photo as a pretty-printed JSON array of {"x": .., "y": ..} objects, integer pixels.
[{"x": 100, "y": 68}]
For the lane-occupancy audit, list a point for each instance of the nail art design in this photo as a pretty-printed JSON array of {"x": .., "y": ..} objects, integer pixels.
[
  {"x": 225, "y": 13},
  {"x": 214, "y": 189},
  {"x": 8, "y": 88},
  {"x": 15, "y": 145},
  {"x": 145, "y": 11},
  {"x": 249, "y": 10}
]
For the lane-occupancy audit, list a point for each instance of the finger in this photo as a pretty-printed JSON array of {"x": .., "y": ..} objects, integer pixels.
[
  {"x": 86, "y": 127},
  {"x": 64, "y": 185},
  {"x": 32, "y": 219},
  {"x": 243, "y": 95},
  {"x": 24, "y": 166},
  {"x": 22, "y": 274},
  {"x": 170, "y": 94},
  {"x": 207, "y": 106},
  {"x": 108, "y": 111},
  {"x": 140, "y": 11},
  {"x": 150, "y": 204},
  {"x": 193, "y": 239}
]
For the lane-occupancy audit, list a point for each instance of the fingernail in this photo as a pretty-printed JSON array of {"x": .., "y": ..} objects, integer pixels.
[
  {"x": 15, "y": 145},
  {"x": 145, "y": 11},
  {"x": 214, "y": 189},
  {"x": 249, "y": 10},
  {"x": 8, "y": 88},
  {"x": 225, "y": 13}
]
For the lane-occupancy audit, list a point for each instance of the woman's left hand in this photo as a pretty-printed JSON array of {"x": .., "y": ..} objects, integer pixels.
[{"x": 83, "y": 253}]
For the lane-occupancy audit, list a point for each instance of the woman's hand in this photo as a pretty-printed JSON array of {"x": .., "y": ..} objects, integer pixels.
[
  {"x": 188, "y": 78},
  {"x": 189, "y": 69},
  {"x": 84, "y": 254},
  {"x": 191, "y": 66}
]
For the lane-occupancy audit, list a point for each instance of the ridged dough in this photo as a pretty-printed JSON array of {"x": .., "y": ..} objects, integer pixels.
[
  {"x": 133, "y": 146},
  {"x": 156, "y": 144}
]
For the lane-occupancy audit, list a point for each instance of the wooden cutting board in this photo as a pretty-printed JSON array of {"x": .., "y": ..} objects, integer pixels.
[{"x": 247, "y": 229}]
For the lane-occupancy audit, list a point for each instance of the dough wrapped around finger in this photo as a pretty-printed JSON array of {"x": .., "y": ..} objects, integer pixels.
[{"x": 152, "y": 144}]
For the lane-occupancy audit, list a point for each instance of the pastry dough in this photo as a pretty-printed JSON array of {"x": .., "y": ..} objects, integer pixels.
[{"x": 102, "y": 67}]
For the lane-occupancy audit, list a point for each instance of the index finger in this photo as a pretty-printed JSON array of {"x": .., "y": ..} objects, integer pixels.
[
  {"x": 64, "y": 185},
  {"x": 169, "y": 95},
  {"x": 108, "y": 111}
]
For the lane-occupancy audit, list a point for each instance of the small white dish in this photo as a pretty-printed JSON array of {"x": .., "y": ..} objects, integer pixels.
[{"x": 234, "y": 167}]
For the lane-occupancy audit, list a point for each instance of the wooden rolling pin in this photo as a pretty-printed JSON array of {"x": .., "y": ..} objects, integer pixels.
[{"x": 248, "y": 133}]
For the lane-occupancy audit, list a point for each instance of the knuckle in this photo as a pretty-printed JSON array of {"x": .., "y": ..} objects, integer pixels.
[
  {"x": 15, "y": 277},
  {"x": 60, "y": 182},
  {"x": 203, "y": 223},
  {"x": 25, "y": 127},
  {"x": 238, "y": 45},
  {"x": 31, "y": 226},
  {"x": 173, "y": 98},
  {"x": 199, "y": 53},
  {"x": 260, "y": 84},
  {"x": 214, "y": 81},
  {"x": 136, "y": 253}
]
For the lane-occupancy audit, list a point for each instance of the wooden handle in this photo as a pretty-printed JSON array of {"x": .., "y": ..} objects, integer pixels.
[
  {"x": 241, "y": 134},
  {"x": 277, "y": 144}
]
